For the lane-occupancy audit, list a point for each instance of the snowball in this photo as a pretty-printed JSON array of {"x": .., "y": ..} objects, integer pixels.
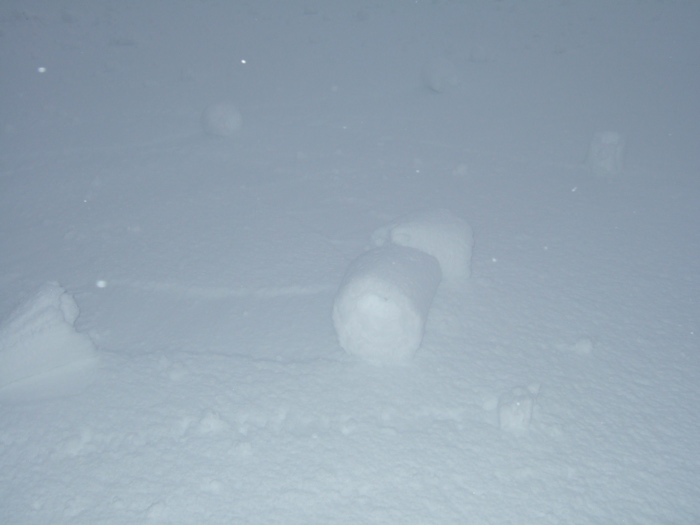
[
  {"x": 439, "y": 233},
  {"x": 381, "y": 307},
  {"x": 222, "y": 120},
  {"x": 39, "y": 336},
  {"x": 605, "y": 154}
]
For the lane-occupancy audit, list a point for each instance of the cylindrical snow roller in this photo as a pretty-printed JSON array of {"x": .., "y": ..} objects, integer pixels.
[
  {"x": 381, "y": 307},
  {"x": 439, "y": 233}
]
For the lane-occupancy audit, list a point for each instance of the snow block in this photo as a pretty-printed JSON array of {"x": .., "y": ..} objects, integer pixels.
[
  {"x": 381, "y": 307},
  {"x": 222, "y": 120},
  {"x": 606, "y": 154},
  {"x": 39, "y": 336},
  {"x": 439, "y": 233}
]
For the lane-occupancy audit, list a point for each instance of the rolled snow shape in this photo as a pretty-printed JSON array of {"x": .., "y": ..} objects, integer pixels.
[
  {"x": 439, "y": 233},
  {"x": 381, "y": 307},
  {"x": 39, "y": 336}
]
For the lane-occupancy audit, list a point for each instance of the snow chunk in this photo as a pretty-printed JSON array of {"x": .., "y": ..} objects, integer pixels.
[
  {"x": 439, "y": 233},
  {"x": 39, "y": 336},
  {"x": 381, "y": 307}
]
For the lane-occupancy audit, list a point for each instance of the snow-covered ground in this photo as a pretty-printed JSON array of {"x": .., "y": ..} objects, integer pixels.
[{"x": 203, "y": 380}]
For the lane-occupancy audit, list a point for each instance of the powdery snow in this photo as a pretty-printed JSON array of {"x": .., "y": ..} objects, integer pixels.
[{"x": 560, "y": 385}]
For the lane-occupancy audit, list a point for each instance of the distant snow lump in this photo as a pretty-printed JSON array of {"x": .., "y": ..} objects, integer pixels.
[{"x": 222, "y": 120}]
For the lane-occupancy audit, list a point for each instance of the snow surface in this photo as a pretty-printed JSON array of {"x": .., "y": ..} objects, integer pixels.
[{"x": 560, "y": 387}]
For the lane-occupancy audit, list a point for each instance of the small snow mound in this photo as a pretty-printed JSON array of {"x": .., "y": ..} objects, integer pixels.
[
  {"x": 39, "y": 337},
  {"x": 222, "y": 120},
  {"x": 606, "y": 154},
  {"x": 515, "y": 409},
  {"x": 211, "y": 423}
]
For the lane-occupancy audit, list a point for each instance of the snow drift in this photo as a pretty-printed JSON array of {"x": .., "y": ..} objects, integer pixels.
[
  {"x": 40, "y": 337},
  {"x": 383, "y": 302}
]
